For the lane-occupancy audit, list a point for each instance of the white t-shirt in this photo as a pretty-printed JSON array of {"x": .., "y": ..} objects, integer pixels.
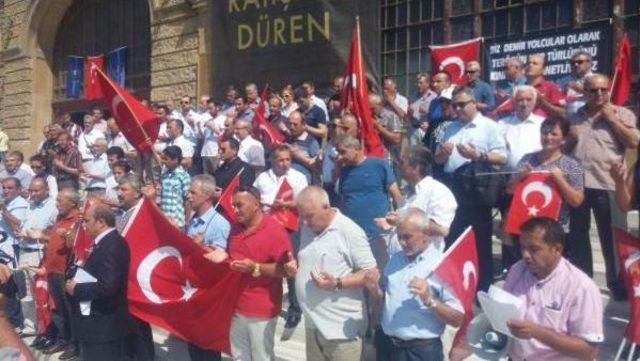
[
  {"x": 184, "y": 145},
  {"x": 251, "y": 151},
  {"x": 269, "y": 184},
  {"x": 211, "y": 137}
]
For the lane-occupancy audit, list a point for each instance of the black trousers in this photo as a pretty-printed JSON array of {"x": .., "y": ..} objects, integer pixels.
[
  {"x": 104, "y": 351},
  {"x": 480, "y": 219},
  {"x": 140, "y": 341},
  {"x": 578, "y": 247},
  {"x": 60, "y": 316},
  {"x": 199, "y": 354},
  {"x": 387, "y": 351}
]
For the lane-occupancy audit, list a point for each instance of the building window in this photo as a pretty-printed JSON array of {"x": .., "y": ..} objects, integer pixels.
[
  {"x": 501, "y": 18},
  {"x": 82, "y": 33},
  {"x": 548, "y": 15},
  {"x": 595, "y": 10},
  {"x": 631, "y": 17}
]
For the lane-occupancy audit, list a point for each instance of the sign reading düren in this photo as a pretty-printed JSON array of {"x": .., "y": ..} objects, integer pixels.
[
  {"x": 557, "y": 48},
  {"x": 287, "y": 41}
]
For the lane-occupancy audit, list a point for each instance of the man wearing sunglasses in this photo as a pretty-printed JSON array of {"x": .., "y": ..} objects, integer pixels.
[
  {"x": 600, "y": 134},
  {"x": 572, "y": 85},
  {"x": 485, "y": 100}
]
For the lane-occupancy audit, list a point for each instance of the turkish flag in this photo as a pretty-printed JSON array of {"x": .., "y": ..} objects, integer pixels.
[
  {"x": 459, "y": 270},
  {"x": 621, "y": 83},
  {"x": 534, "y": 196},
  {"x": 628, "y": 247},
  {"x": 173, "y": 286},
  {"x": 355, "y": 97},
  {"x": 262, "y": 128},
  {"x": 287, "y": 217},
  {"x": 138, "y": 123},
  {"x": 92, "y": 89},
  {"x": 227, "y": 195},
  {"x": 453, "y": 58},
  {"x": 43, "y": 301},
  {"x": 504, "y": 107},
  {"x": 82, "y": 243}
]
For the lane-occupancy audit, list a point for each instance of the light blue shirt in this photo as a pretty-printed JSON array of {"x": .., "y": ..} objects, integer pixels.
[
  {"x": 481, "y": 132},
  {"x": 18, "y": 209},
  {"x": 98, "y": 166},
  {"x": 40, "y": 215},
  {"x": 404, "y": 315},
  {"x": 213, "y": 226}
]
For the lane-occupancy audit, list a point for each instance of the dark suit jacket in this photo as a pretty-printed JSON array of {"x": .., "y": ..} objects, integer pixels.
[{"x": 109, "y": 318}]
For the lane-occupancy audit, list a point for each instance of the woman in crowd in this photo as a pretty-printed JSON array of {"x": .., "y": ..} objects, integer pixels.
[{"x": 287, "y": 97}]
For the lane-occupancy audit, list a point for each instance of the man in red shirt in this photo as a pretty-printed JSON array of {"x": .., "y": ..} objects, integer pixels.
[
  {"x": 259, "y": 247},
  {"x": 549, "y": 95}
]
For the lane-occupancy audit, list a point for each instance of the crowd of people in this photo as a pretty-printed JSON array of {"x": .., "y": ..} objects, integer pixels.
[{"x": 370, "y": 229}]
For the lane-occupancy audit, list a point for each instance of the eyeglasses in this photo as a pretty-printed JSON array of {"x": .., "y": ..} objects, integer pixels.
[
  {"x": 579, "y": 61},
  {"x": 598, "y": 90},
  {"x": 460, "y": 105}
]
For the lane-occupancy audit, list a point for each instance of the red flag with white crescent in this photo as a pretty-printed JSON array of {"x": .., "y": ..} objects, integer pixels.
[
  {"x": 262, "y": 128},
  {"x": 43, "y": 301},
  {"x": 227, "y": 195},
  {"x": 139, "y": 124},
  {"x": 460, "y": 271},
  {"x": 172, "y": 285},
  {"x": 287, "y": 217},
  {"x": 452, "y": 58},
  {"x": 82, "y": 243},
  {"x": 92, "y": 90},
  {"x": 355, "y": 97},
  {"x": 628, "y": 247},
  {"x": 621, "y": 81},
  {"x": 534, "y": 196}
]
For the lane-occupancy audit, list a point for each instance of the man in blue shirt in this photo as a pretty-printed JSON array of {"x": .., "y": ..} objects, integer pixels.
[
  {"x": 304, "y": 147},
  {"x": 365, "y": 187},
  {"x": 485, "y": 100},
  {"x": 417, "y": 307},
  {"x": 314, "y": 117},
  {"x": 513, "y": 77}
]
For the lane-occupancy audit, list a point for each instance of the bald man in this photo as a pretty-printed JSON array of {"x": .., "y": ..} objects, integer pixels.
[{"x": 485, "y": 100}]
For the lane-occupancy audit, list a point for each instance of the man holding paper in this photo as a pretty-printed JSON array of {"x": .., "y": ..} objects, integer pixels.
[
  {"x": 562, "y": 305},
  {"x": 98, "y": 292}
]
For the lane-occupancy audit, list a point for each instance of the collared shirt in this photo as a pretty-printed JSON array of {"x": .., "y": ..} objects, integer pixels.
[
  {"x": 121, "y": 141},
  {"x": 484, "y": 94},
  {"x": 102, "y": 235},
  {"x": 23, "y": 175},
  {"x": 566, "y": 301},
  {"x": 401, "y": 101},
  {"x": 420, "y": 107},
  {"x": 269, "y": 184},
  {"x": 321, "y": 104},
  {"x": 57, "y": 252},
  {"x": 308, "y": 146},
  {"x": 507, "y": 85},
  {"x": 574, "y": 100},
  {"x": 211, "y": 138},
  {"x": 598, "y": 146},
  {"x": 85, "y": 142},
  {"x": 437, "y": 201},
  {"x": 71, "y": 158},
  {"x": 314, "y": 116},
  {"x": 404, "y": 315},
  {"x": 522, "y": 136},
  {"x": 288, "y": 109},
  {"x": 391, "y": 122},
  {"x": 40, "y": 215},
  {"x": 214, "y": 227},
  {"x": 481, "y": 132},
  {"x": 338, "y": 250},
  {"x": 550, "y": 92},
  {"x": 268, "y": 242},
  {"x": 98, "y": 166},
  {"x": 185, "y": 145},
  {"x": 226, "y": 171},
  {"x": 251, "y": 151},
  {"x": 175, "y": 185},
  {"x": 190, "y": 132},
  {"x": 17, "y": 207}
]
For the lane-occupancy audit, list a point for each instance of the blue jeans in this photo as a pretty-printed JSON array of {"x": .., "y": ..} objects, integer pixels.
[{"x": 386, "y": 350}]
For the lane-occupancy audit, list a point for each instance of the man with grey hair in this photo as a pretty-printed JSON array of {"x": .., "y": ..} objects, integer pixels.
[
  {"x": 253, "y": 98},
  {"x": 572, "y": 85},
  {"x": 389, "y": 126},
  {"x": 96, "y": 169},
  {"x": 251, "y": 150},
  {"x": 471, "y": 141},
  {"x": 417, "y": 305},
  {"x": 485, "y": 100},
  {"x": 512, "y": 77},
  {"x": 333, "y": 257},
  {"x": 519, "y": 129}
]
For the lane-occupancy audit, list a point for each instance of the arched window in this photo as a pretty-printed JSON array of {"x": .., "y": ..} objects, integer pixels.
[{"x": 94, "y": 27}]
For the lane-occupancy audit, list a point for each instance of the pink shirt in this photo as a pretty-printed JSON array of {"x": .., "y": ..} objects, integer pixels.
[
  {"x": 567, "y": 301},
  {"x": 551, "y": 92}
]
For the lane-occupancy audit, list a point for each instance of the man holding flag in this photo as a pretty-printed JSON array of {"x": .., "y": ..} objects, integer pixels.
[
  {"x": 562, "y": 305},
  {"x": 415, "y": 313}
]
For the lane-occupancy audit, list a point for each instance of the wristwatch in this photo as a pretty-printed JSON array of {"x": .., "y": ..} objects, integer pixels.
[
  {"x": 338, "y": 284},
  {"x": 256, "y": 271}
]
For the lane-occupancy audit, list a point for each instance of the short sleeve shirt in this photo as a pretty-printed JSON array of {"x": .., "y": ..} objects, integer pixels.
[
  {"x": 566, "y": 301},
  {"x": 213, "y": 226},
  {"x": 550, "y": 92},
  {"x": 185, "y": 146},
  {"x": 391, "y": 122},
  {"x": 175, "y": 185},
  {"x": 309, "y": 147},
  {"x": 252, "y": 152},
  {"x": 269, "y": 185},
  {"x": 521, "y": 136},
  {"x": 267, "y": 243},
  {"x": 484, "y": 94},
  {"x": 57, "y": 252},
  {"x": 420, "y": 107},
  {"x": 314, "y": 116},
  {"x": 338, "y": 250},
  {"x": 364, "y": 191},
  {"x": 598, "y": 146}
]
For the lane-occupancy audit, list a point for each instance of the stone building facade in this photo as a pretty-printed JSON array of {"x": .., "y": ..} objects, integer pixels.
[{"x": 179, "y": 60}]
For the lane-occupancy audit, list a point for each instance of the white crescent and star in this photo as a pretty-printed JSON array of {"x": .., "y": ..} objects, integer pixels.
[
  {"x": 536, "y": 187},
  {"x": 453, "y": 60},
  {"x": 145, "y": 270},
  {"x": 467, "y": 269}
]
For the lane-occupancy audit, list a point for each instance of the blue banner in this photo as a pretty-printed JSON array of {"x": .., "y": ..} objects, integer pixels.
[
  {"x": 75, "y": 77},
  {"x": 117, "y": 65}
]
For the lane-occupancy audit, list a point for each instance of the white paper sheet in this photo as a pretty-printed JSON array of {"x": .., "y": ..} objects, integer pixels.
[
  {"x": 500, "y": 306},
  {"x": 83, "y": 276}
]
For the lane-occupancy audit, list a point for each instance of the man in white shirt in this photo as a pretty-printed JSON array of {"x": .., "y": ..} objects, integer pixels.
[
  {"x": 251, "y": 150},
  {"x": 175, "y": 130},
  {"x": 213, "y": 128},
  {"x": 521, "y": 131},
  {"x": 419, "y": 108},
  {"x": 393, "y": 100},
  {"x": 270, "y": 181},
  {"x": 87, "y": 138},
  {"x": 99, "y": 123},
  {"x": 97, "y": 169},
  {"x": 190, "y": 120}
]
